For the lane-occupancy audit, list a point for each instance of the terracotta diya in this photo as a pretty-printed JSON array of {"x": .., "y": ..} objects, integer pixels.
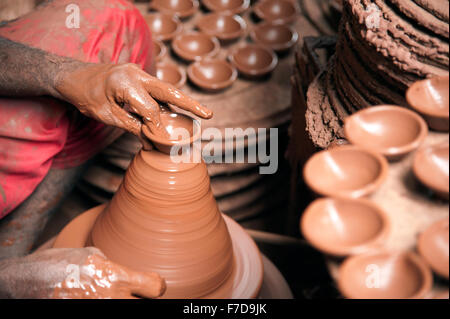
[
  {"x": 165, "y": 219},
  {"x": 276, "y": 11},
  {"x": 164, "y": 27},
  {"x": 194, "y": 46},
  {"x": 227, "y": 6},
  {"x": 160, "y": 50},
  {"x": 253, "y": 60},
  {"x": 385, "y": 275},
  {"x": 278, "y": 37},
  {"x": 393, "y": 131},
  {"x": 212, "y": 74},
  {"x": 171, "y": 73},
  {"x": 345, "y": 171},
  {"x": 430, "y": 98},
  {"x": 430, "y": 166},
  {"x": 180, "y": 8},
  {"x": 343, "y": 226},
  {"x": 224, "y": 27},
  {"x": 433, "y": 245}
]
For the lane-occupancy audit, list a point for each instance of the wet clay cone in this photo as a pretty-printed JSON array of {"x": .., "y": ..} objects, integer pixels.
[{"x": 165, "y": 219}]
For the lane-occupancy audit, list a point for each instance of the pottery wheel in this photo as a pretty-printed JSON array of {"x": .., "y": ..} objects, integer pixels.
[{"x": 247, "y": 276}]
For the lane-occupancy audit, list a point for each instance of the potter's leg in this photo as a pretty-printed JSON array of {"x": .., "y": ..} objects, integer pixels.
[{"x": 20, "y": 229}]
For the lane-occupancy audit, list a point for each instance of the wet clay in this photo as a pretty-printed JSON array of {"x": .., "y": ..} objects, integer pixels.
[
  {"x": 390, "y": 130},
  {"x": 433, "y": 245},
  {"x": 253, "y": 60},
  {"x": 224, "y": 27}
]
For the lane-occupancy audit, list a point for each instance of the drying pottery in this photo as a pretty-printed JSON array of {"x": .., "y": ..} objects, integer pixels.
[
  {"x": 347, "y": 171},
  {"x": 342, "y": 226},
  {"x": 164, "y": 27},
  {"x": 278, "y": 37},
  {"x": 430, "y": 98},
  {"x": 171, "y": 73},
  {"x": 276, "y": 11},
  {"x": 164, "y": 219},
  {"x": 227, "y": 6},
  {"x": 253, "y": 60},
  {"x": 433, "y": 245},
  {"x": 180, "y": 8},
  {"x": 160, "y": 50},
  {"x": 431, "y": 168},
  {"x": 385, "y": 275},
  {"x": 224, "y": 27},
  {"x": 212, "y": 75},
  {"x": 194, "y": 46},
  {"x": 390, "y": 130}
]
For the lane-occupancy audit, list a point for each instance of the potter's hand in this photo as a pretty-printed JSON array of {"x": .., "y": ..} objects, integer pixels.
[
  {"x": 74, "y": 273},
  {"x": 121, "y": 95}
]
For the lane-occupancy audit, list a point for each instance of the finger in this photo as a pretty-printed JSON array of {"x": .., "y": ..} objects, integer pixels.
[
  {"x": 121, "y": 118},
  {"x": 147, "y": 284},
  {"x": 143, "y": 104},
  {"x": 167, "y": 93}
]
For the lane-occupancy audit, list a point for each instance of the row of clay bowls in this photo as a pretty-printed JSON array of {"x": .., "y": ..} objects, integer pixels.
[
  {"x": 346, "y": 224},
  {"x": 222, "y": 26}
]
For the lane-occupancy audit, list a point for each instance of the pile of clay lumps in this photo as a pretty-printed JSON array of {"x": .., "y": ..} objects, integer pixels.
[{"x": 383, "y": 47}]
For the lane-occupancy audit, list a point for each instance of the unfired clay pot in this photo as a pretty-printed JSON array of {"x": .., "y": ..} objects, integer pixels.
[
  {"x": 345, "y": 171},
  {"x": 164, "y": 27},
  {"x": 431, "y": 168},
  {"x": 180, "y": 8},
  {"x": 276, "y": 11},
  {"x": 160, "y": 50},
  {"x": 433, "y": 245},
  {"x": 224, "y": 27},
  {"x": 194, "y": 46},
  {"x": 430, "y": 98},
  {"x": 171, "y": 73},
  {"x": 253, "y": 60},
  {"x": 393, "y": 131},
  {"x": 165, "y": 219},
  {"x": 278, "y": 37},
  {"x": 212, "y": 74},
  {"x": 227, "y": 6},
  {"x": 340, "y": 226},
  {"x": 385, "y": 275}
]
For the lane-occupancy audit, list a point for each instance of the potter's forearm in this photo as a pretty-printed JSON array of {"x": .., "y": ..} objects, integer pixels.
[
  {"x": 9, "y": 278},
  {"x": 26, "y": 71}
]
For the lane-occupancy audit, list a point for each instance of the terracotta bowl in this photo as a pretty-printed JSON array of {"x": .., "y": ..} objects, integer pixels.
[
  {"x": 160, "y": 50},
  {"x": 164, "y": 27},
  {"x": 276, "y": 11},
  {"x": 180, "y": 8},
  {"x": 385, "y": 275},
  {"x": 253, "y": 60},
  {"x": 393, "y": 131},
  {"x": 433, "y": 245},
  {"x": 430, "y": 98},
  {"x": 278, "y": 37},
  {"x": 171, "y": 73},
  {"x": 212, "y": 75},
  {"x": 224, "y": 27},
  {"x": 341, "y": 227},
  {"x": 227, "y": 6},
  {"x": 431, "y": 168},
  {"x": 194, "y": 46},
  {"x": 345, "y": 171},
  {"x": 171, "y": 121}
]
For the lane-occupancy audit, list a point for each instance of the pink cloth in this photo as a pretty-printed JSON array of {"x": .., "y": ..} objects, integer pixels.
[{"x": 39, "y": 133}]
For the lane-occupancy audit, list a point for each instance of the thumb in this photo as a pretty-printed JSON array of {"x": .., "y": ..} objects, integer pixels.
[{"x": 147, "y": 284}]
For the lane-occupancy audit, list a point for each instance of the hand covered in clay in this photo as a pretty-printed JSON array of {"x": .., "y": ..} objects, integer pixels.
[
  {"x": 122, "y": 95},
  {"x": 74, "y": 273}
]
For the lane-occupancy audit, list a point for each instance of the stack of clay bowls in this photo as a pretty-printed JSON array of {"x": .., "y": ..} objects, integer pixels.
[{"x": 383, "y": 48}]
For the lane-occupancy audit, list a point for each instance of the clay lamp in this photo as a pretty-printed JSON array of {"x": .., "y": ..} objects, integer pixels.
[
  {"x": 225, "y": 27},
  {"x": 171, "y": 73},
  {"x": 253, "y": 60},
  {"x": 385, "y": 275},
  {"x": 433, "y": 245},
  {"x": 212, "y": 75},
  {"x": 430, "y": 98},
  {"x": 276, "y": 11},
  {"x": 280, "y": 38},
  {"x": 164, "y": 219},
  {"x": 164, "y": 27},
  {"x": 227, "y": 6},
  {"x": 430, "y": 166},
  {"x": 345, "y": 171},
  {"x": 160, "y": 50},
  {"x": 181, "y": 8},
  {"x": 194, "y": 46},
  {"x": 343, "y": 226},
  {"x": 393, "y": 131}
]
